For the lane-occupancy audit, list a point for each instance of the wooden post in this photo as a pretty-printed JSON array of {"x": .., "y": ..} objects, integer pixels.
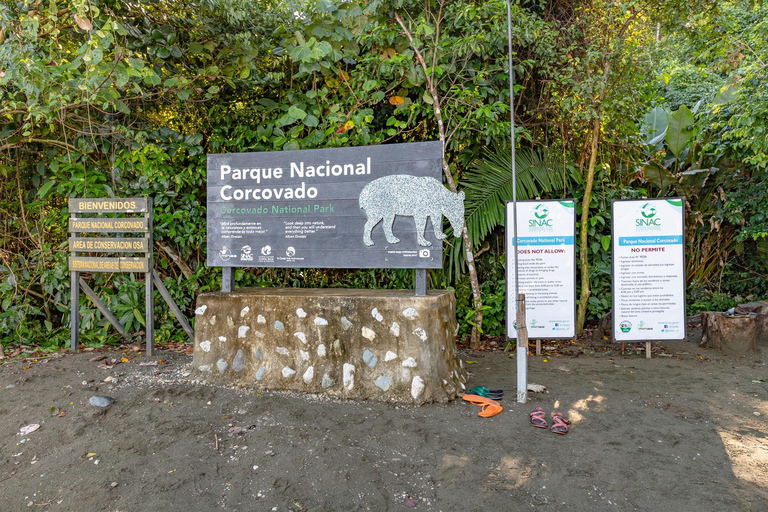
[
  {"x": 538, "y": 347},
  {"x": 522, "y": 352},
  {"x": 623, "y": 346},
  {"x": 647, "y": 349}
]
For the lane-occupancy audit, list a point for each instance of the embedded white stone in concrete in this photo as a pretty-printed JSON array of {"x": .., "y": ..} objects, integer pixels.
[
  {"x": 346, "y": 324},
  {"x": 283, "y": 351},
  {"x": 206, "y": 346},
  {"x": 212, "y": 320},
  {"x": 389, "y": 356},
  {"x": 417, "y": 387},
  {"x": 410, "y": 313},
  {"x": 279, "y": 325},
  {"x": 349, "y": 376},
  {"x": 337, "y": 347},
  {"x": 260, "y": 373},
  {"x": 204, "y": 368},
  {"x": 301, "y": 313},
  {"x": 244, "y": 311},
  {"x": 258, "y": 354},
  {"x": 242, "y": 330},
  {"x": 201, "y": 310},
  {"x": 421, "y": 333},
  {"x": 409, "y": 363},
  {"x": 320, "y": 321},
  {"x": 368, "y": 334},
  {"x": 383, "y": 382},
  {"x": 260, "y": 319},
  {"x": 288, "y": 372},
  {"x": 221, "y": 365},
  {"x": 304, "y": 355},
  {"x": 222, "y": 339},
  {"x": 308, "y": 375},
  {"x": 321, "y": 350},
  {"x": 395, "y": 329},
  {"x": 327, "y": 381},
  {"x": 301, "y": 336},
  {"x": 375, "y": 314},
  {"x": 258, "y": 334}
]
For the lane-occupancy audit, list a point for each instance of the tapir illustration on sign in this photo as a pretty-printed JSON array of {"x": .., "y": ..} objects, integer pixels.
[{"x": 411, "y": 196}]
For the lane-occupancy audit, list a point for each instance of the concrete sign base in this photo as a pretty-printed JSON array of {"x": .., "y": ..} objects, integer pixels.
[{"x": 385, "y": 345}]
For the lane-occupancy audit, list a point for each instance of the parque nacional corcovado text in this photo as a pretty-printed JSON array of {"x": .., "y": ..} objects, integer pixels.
[{"x": 297, "y": 170}]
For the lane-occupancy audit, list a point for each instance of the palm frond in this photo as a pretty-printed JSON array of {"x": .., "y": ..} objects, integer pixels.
[{"x": 488, "y": 185}]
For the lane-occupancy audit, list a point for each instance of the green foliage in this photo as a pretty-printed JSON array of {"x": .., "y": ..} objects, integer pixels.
[
  {"x": 710, "y": 301},
  {"x": 106, "y": 98}
]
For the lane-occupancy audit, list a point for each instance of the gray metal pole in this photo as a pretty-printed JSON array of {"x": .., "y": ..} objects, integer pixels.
[{"x": 522, "y": 351}]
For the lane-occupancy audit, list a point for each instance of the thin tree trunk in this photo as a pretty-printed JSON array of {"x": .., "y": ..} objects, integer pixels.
[
  {"x": 474, "y": 281},
  {"x": 581, "y": 313},
  {"x": 583, "y": 245}
]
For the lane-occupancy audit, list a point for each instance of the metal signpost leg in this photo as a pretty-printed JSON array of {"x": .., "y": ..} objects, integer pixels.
[
  {"x": 227, "y": 281},
  {"x": 149, "y": 317},
  {"x": 74, "y": 315},
  {"x": 150, "y": 314},
  {"x": 421, "y": 282}
]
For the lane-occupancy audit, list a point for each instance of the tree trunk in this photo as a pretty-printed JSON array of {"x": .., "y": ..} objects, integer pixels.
[
  {"x": 583, "y": 245},
  {"x": 474, "y": 281},
  {"x": 581, "y": 313}
]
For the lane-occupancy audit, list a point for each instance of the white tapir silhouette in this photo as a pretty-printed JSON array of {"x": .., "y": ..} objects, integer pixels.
[{"x": 411, "y": 196}]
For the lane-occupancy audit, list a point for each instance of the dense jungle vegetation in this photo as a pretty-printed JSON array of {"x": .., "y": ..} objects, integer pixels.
[{"x": 613, "y": 99}]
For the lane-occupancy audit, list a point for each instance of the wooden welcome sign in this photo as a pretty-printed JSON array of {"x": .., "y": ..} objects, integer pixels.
[{"x": 135, "y": 218}]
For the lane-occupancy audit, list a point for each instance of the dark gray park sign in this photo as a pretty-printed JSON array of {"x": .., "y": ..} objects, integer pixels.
[{"x": 357, "y": 207}]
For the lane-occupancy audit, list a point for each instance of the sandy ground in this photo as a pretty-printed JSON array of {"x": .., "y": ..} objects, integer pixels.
[{"x": 682, "y": 432}]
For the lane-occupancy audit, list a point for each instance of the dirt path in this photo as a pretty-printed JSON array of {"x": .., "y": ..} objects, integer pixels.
[{"x": 673, "y": 433}]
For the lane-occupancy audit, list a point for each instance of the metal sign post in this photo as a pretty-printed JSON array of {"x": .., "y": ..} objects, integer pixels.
[
  {"x": 79, "y": 225},
  {"x": 522, "y": 351}
]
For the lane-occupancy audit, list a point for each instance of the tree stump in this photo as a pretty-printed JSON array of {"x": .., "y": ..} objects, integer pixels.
[
  {"x": 761, "y": 309},
  {"x": 736, "y": 335}
]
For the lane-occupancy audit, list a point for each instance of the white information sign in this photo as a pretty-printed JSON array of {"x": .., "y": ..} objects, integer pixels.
[
  {"x": 546, "y": 268},
  {"x": 648, "y": 270}
]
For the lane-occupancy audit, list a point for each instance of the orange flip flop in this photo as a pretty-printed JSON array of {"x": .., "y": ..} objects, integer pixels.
[
  {"x": 489, "y": 407},
  {"x": 490, "y": 410}
]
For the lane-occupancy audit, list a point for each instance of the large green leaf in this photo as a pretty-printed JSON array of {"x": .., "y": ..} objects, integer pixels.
[
  {"x": 655, "y": 125},
  {"x": 657, "y": 175},
  {"x": 679, "y": 131}
]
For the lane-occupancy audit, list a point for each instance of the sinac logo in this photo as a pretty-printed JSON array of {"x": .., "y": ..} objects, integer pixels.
[
  {"x": 541, "y": 222},
  {"x": 625, "y": 326},
  {"x": 648, "y": 211},
  {"x": 266, "y": 250},
  {"x": 290, "y": 252}
]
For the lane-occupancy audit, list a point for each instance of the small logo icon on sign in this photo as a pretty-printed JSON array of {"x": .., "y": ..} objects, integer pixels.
[
  {"x": 266, "y": 250},
  {"x": 625, "y": 326},
  {"x": 246, "y": 253},
  {"x": 648, "y": 211},
  {"x": 541, "y": 212},
  {"x": 424, "y": 253},
  {"x": 226, "y": 254},
  {"x": 290, "y": 252}
]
